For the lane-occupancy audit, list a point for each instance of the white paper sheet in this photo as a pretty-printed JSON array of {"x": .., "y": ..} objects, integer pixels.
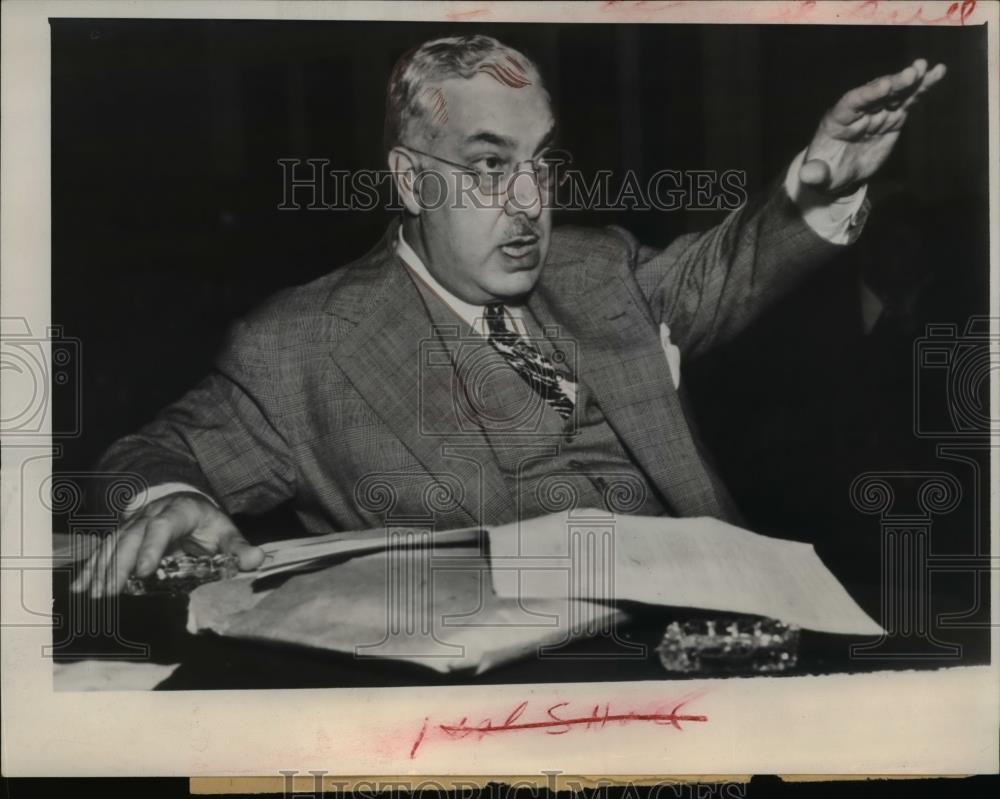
[
  {"x": 397, "y": 605},
  {"x": 297, "y": 553},
  {"x": 693, "y": 562}
]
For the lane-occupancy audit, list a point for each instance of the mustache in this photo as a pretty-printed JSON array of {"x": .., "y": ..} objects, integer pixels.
[{"x": 522, "y": 234}]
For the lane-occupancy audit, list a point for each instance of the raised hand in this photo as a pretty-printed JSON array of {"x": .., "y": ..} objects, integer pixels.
[{"x": 855, "y": 137}]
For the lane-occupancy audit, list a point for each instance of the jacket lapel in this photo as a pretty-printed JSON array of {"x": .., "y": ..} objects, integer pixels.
[
  {"x": 393, "y": 359},
  {"x": 621, "y": 359}
]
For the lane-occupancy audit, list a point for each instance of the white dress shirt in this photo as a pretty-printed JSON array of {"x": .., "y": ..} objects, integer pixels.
[
  {"x": 838, "y": 221},
  {"x": 473, "y": 315}
]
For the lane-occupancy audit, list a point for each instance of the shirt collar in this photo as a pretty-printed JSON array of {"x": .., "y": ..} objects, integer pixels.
[{"x": 473, "y": 315}]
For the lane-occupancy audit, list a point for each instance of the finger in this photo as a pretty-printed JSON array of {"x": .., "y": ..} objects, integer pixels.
[
  {"x": 141, "y": 552},
  {"x": 856, "y": 129},
  {"x": 904, "y": 80},
  {"x": 249, "y": 556},
  {"x": 887, "y": 88},
  {"x": 101, "y": 566},
  {"x": 863, "y": 97},
  {"x": 875, "y": 121},
  {"x": 930, "y": 80},
  {"x": 894, "y": 121},
  {"x": 903, "y": 85},
  {"x": 935, "y": 75},
  {"x": 82, "y": 581},
  {"x": 161, "y": 531},
  {"x": 815, "y": 172},
  {"x": 120, "y": 567}
]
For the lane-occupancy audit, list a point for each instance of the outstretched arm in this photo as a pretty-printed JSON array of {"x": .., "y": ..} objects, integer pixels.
[
  {"x": 856, "y": 136},
  {"x": 710, "y": 286}
]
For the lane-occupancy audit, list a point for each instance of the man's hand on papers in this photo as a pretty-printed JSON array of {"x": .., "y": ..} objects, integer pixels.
[
  {"x": 165, "y": 524},
  {"x": 856, "y": 136}
]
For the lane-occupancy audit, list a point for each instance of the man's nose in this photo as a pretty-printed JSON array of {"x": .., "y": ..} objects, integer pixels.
[{"x": 524, "y": 196}]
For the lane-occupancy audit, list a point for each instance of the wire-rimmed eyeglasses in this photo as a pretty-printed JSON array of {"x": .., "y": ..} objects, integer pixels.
[{"x": 545, "y": 168}]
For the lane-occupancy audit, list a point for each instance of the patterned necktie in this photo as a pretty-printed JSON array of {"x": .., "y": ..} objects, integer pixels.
[{"x": 527, "y": 360}]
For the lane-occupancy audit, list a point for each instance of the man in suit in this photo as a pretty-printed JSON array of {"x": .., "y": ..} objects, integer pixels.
[{"x": 477, "y": 367}]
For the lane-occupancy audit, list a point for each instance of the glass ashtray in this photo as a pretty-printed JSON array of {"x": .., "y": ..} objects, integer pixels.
[
  {"x": 181, "y": 573},
  {"x": 735, "y": 645}
]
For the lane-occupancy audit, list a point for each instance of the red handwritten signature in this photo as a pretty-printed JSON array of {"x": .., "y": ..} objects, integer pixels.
[
  {"x": 875, "y": 11},
  {"x": 557, "y": 719},
  {"x": 906, "y": 14}
]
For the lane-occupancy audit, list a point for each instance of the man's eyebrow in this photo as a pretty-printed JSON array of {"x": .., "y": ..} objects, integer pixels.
[
  {"x": 547, "y": 140},
  {"x": 488, "y": 137},
  {"x": 498, "y": 140}
]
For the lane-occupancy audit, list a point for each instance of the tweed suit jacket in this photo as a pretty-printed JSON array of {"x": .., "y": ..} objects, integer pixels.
[{"x": 324, "y": 396}]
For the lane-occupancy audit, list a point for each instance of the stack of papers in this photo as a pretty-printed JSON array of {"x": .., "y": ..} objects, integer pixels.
[
  {"x": 443, "y": 600},
  {"x": 694, "y": 562},
  {"x": 395, "y": 605}
]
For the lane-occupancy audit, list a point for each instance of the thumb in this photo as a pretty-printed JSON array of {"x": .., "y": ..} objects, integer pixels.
[
  {"x": 249, "y": 556},
  {"x": 815, "y": 173}
]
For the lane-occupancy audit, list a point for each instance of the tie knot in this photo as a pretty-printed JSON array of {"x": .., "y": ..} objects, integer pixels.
[{"x": 494, "y": 315}]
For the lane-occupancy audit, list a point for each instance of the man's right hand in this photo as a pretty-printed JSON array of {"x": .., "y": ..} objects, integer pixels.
[{"x": 159, "y": 527}]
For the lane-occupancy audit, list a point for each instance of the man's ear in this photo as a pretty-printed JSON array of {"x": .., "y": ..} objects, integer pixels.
[{"x": 404, "y": 174}]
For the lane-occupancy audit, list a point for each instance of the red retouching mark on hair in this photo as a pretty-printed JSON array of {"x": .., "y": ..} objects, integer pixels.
[
  {"x": 440, "y": 106},
  {"x": 517, "y": 64},
  {"x": 504, "y": 75},
  {"x": 515, "y": 70}
]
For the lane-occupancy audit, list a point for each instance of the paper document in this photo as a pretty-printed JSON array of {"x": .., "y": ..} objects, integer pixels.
[
  {"x": 398, "y": 604},
  {"x": 691, "y": 562},
  {"x": 298, "y": 553}
]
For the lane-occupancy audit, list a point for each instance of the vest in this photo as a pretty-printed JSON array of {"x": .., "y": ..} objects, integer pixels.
[{"x": 550, "y": 464}]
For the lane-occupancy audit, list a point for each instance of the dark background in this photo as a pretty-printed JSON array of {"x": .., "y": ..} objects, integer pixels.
[{"x": 165, "y": 186}]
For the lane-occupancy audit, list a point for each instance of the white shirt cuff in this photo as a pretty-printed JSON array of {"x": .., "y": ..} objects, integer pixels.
[
  {"x": 147, "y": 495},
  {"x": 838, "y": 220}
]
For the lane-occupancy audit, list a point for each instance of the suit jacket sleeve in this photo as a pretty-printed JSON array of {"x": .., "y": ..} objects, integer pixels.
[
  {"x": 709, "y": 286},
  {"x": 218, "y": 437}
]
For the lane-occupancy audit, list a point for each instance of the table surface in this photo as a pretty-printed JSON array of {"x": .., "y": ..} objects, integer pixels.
[{"x": 152, "y": 630}]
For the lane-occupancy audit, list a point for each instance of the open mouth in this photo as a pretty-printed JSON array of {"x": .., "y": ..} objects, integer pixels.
[{"x": 520, "y": 247}]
